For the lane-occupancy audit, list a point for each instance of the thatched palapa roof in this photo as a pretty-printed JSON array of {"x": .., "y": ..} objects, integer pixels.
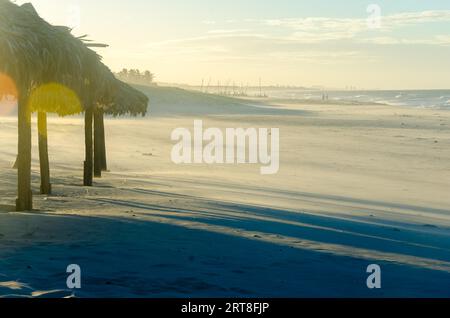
[{"x": 35, "y": 53}]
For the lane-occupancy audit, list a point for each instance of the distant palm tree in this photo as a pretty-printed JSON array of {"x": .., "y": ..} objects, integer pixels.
[{"x": 149, "y": 77}]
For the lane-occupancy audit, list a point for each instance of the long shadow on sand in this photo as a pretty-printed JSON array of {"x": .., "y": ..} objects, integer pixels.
[
  {"x": 134, "y": 258},
  {"x": 382, "y": 205},
  {"x": 307, "y": 226}
]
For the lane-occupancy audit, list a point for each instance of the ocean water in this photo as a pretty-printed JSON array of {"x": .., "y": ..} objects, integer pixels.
[{"x": 439, "y": 99}]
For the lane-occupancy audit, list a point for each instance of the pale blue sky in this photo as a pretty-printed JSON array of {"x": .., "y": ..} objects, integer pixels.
[{"x": 320, "y": 42}]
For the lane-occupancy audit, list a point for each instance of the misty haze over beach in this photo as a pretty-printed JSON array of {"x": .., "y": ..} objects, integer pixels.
[{"x": 263, "y": 175}]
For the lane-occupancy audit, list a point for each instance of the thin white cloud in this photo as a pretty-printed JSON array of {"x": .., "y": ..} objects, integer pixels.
[
  {"x": 209, "y": 22},
  {"x": 326, "y": 29},
  {"x": 441, "y": 40},
  {"x": 414, "y": 18},
  {"x": 252, "y": 47},
  {"x": 228, "y": 31},
  {"x": 299, "y": 40}
]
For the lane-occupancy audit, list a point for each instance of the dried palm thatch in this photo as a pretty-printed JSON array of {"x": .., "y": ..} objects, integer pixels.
[
  {"x": 33, "y": 53},
  {"x": 126, "y": 101}
]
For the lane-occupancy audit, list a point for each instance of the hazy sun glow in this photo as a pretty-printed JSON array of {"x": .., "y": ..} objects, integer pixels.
[
  {"x": 7, "y": 86},
  {"x": 8, "y": 94},
  {"x": 54, "y": 98}
]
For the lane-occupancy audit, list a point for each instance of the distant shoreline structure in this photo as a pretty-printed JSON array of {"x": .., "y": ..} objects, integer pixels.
[
  {"x": 300, "y": 87},
  {"x": 429, "y": 99}
]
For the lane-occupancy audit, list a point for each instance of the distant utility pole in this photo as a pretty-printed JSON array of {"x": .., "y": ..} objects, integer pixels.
[
  {"x": 209, "y": 84},
  {"x": 260, "y": 88}
]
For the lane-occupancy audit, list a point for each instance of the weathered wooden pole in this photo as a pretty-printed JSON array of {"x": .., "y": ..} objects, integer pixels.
[
  {"x": 97, "y": 144},
  {"x": 24, "y": 201},
  {"x": 88, "y": 166},
  {"x": 103, "y": 142},
  {"x": 46, "y": 187}
]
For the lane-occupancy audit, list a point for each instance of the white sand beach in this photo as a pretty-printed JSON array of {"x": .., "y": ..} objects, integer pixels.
[{"x": 358, "y": 185}]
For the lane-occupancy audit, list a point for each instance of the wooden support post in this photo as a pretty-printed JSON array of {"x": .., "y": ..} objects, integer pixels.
[
  {"x": 24, "y": 201},
  {"x": 103, "y": 143},
  {"x": 46, "y": 187},
  {"x": 97, "y": 145},
  {"x": 88, "y": 166}
]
